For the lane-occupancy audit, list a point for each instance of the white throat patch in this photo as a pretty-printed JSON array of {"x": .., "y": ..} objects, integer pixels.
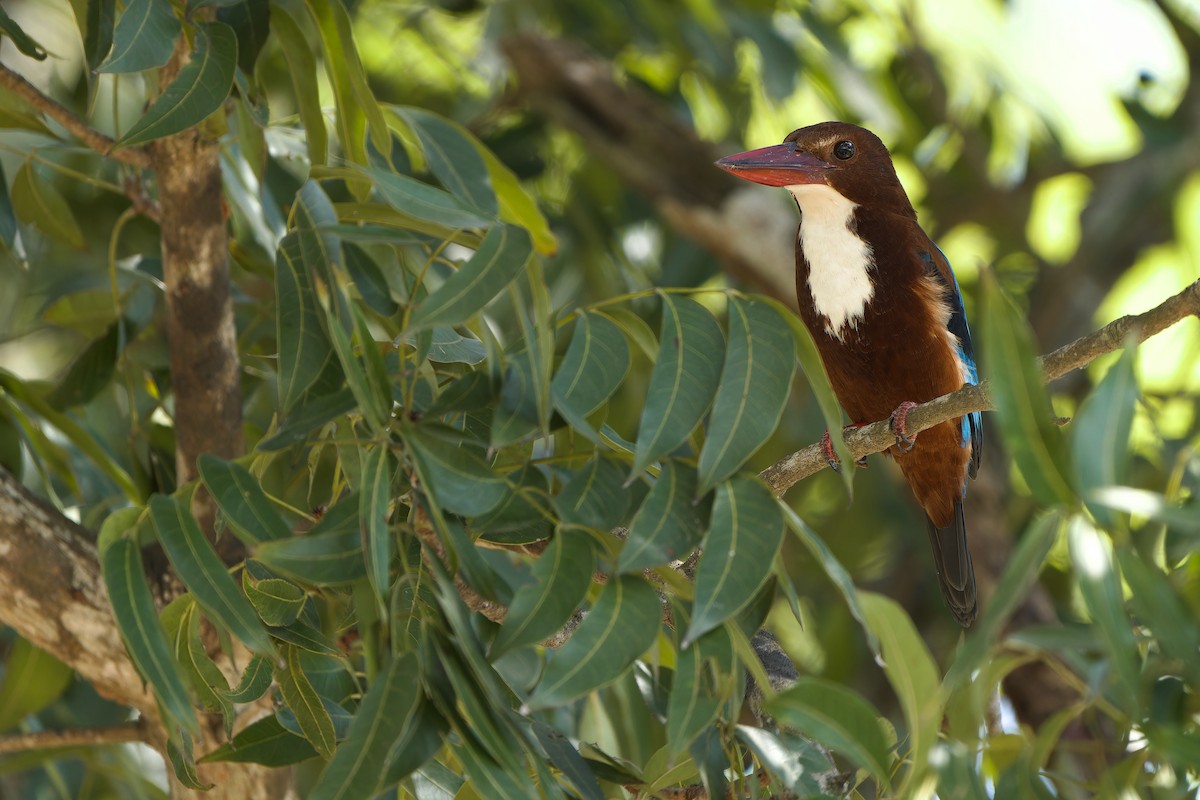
[{"x": 839, "y": 261}]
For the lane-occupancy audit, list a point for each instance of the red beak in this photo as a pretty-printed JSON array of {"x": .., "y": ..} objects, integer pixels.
[{"x": 777, "y": 165}]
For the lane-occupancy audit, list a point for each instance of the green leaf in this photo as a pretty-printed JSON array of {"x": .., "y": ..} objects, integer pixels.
[
  {"x": 594, "y": 366},
  {"x": 563, "y": 755},
  {"x": 381, "y": 721},
  {"x": 33, "y": 679},
  {"x": 683, "y": 381},
  {"x": 1022, "y": 404},
  {"x": 8, "y": 217},
  {"x": 1100, "y": 585},
  {"x": 324, "y": 559},
  {"x": 91, "y": 370},
  {"x": 457, "y": 479},
  {"x": 314, "y": 414},
  {"x": 453, "y": 157},
  {"x": 1100, "y": 432},
  {"x": 98, "y": 31},
  {"x": 38, "y": 203},
  {"x": 362, "y": 374},
  {"x": 142, "y": 633},
  {"x": 183, "y": 761},
  {"x": 760, "y": 362},
  {"x": 304, "y": 349},
  {"x": 307, "y": 638},
  {"x": 561, "y": 576},
  {"x": 263, "y": 742},
  {"x": 704, "y": 681},
  {"x": 20, "y": 38},
  {"x": 517, "y": 206},
  {"x": 818, "y": 382},
  {"x": 202, "y": 572},
  {"x": 305, "y": 703},
  {"x": 243, "y": 502},
  {"x": 250, "y": 21},
  {"x": 594, "y": 496},
  {"x": 421, "y": 740},
  {"x": 913, "y": 675},
  {"x": 357, "y": 109},
  {"x": 374, "y": 498},
  {"x": 795, "y": 761},
  {"x": 837, "y": 718},
  {"x": 369, "y": 280},
  {"x": 832, "y": 568},
  {"x": 254, "y": 683},
  {"x": 302, "y": 68},
  {"x": 669, "y": 524},
  {"x": 182, "y": 624},
  {"x": 144, "y": 38},
  {"x": 739, "y": 550},
  {"x": 278, "y": 602},
  {"x": 492, "y": 781},
  {"x": 620, "y": 627},
  {"x": 426, "y": 203},
  {"x": 499, "y": 259},
  {"x": 1160, "y": 607},
  {"x": 200, "y": 88},
  {"x": 451, "y": 347}
]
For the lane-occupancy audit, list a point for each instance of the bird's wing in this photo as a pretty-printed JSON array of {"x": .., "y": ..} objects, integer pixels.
[{"x": 938, "y": 267}]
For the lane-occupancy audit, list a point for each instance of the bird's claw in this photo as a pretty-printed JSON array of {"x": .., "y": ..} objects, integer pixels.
[
  {"x": 831, "y": 456},
  {"x": 898, "y": 425}
]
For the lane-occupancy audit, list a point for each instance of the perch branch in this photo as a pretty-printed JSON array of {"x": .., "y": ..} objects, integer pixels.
[
  {"x": 134, "y": 156},
  {"x": 77, "y": 737},
  {"x": 877, "y": 437}
]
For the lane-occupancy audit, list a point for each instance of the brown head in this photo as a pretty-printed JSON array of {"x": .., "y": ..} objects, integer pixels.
[{"x": 849, "y": 159}]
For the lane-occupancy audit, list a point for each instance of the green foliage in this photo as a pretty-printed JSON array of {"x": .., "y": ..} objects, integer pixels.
[{"x": 482, "y": 432}]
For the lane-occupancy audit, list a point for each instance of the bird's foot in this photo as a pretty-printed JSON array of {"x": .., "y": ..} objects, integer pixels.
[
  {"x": 831, "y": 456},
  {"x": 898, "y": 423}
]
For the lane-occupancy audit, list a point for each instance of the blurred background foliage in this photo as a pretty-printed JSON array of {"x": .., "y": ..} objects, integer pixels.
[{"x": 1053, "y": 142}]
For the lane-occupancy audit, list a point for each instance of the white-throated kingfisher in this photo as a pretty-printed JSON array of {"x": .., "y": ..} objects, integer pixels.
[{"x": 884, "y": 308}]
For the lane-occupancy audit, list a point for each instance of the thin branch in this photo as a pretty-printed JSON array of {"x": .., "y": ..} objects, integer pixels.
[
  {"x": 134, "y": 156},
  {"x": 877, "y": 437},
  {"x": 76, "y": 737}
]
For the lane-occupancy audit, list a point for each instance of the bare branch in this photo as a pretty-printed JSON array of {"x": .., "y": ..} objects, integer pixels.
[
  {"x": 134, "y": 156},
  {"x": 877, "y": 437},
  {"x": 77, "y": 737}
]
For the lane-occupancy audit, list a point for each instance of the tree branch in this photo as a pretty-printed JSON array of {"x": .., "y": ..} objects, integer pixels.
[
  {"x": 134, "y": 156},
  {"x": 76, "y": 737},
  {"x": 877, "y": 437}
]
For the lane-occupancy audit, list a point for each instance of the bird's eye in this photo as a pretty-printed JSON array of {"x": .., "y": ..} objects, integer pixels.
[{"x": 844, "y": 149}]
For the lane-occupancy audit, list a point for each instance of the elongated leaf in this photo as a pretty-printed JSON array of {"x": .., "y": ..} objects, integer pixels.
[
  {"x": 499, "y": 259},
  {"x": 144, "y": 38},
  {"x": 818, "y": 382},
  {"x": 33, "y": 679},
  {"x": 683, "y": 381},
  {"x": 143, "y": 635},
  {"x": 356, "y": 105},
  {"x": 264, "y": 742},
  {"x": 374, "y": 497},
  {"x": 304, "y": 348},
  {"x": 181, "y": 755},
  {"x": 837, "y": 718},
  {"x": 250, "y": 20},
  {"x": 302, "y": 699},
  {"x": 305, "y": 420},
  {"x": 254, "y": 683},
  {"x": 1100, "y": 432},
  {"x": 561, "y": 576},
  {"x": 594, "y": 366},
  {"x": 20, "y": 38},
  {"x": 8, "y": 217},
  {"x": 703, "y": 683},
  {"x": 243, "y": 502},
  {"x": 517, "y": 206},
  {"x": 1100, "y": 585},
  {"x": 277, "y": 602},
  {"x": 458, "y": 479},
  {"x": 913, "y": 675},
  {"x": 620, "y": 627},
  {"x": 563, "y": 755},
  {"x": 182, "y": 624},
  {"x": 374, "y": 404},
  {"x": 203, "y": 573},
  {"x": 369, "y": 280},
  {"x": 91, "y": 370},
  {"x": 200, "y": 88},
  {"x": 454, "y": 158},
  {"x": 421, "y": 740},
  {"x": 383, "y": 716},
  {"x": 37, "y": 202},
  {"x": 1160, "y": 607},
  {"x": 302, "y": 67},
  {"x": 795, "y": 761},
  {"x": 449, "y": 347},
  {"x": 743, "y": 539},
  {"x": 594, "y": 496},
  {"x": 490, "y": 780},
  {"x": 760, "y": 362},
  {"x": 306, "y": 638},
  {"x": 98, "y": 31},
  {"x": 324, "y": 559},
  {"x": 424, "y": 202},
  {"x": 1022, "y": 405},
  {"x": 669, "y": 524}
]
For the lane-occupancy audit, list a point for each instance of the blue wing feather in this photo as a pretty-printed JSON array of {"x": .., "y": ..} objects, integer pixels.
[{"x": 972, "y": 424}]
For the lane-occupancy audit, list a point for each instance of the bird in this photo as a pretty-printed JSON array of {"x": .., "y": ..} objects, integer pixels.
[{"x": 886, "y": 313}]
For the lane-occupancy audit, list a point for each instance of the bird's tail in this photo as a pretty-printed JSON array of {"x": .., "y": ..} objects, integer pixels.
[{"x": 952, "y": 558}]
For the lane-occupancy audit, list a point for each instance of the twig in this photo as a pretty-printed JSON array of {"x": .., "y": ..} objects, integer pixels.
[
  {"x": 134, "y": 156},
  {"x": 76, "y": 737},
  {"x": 877, "y": 437}
]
